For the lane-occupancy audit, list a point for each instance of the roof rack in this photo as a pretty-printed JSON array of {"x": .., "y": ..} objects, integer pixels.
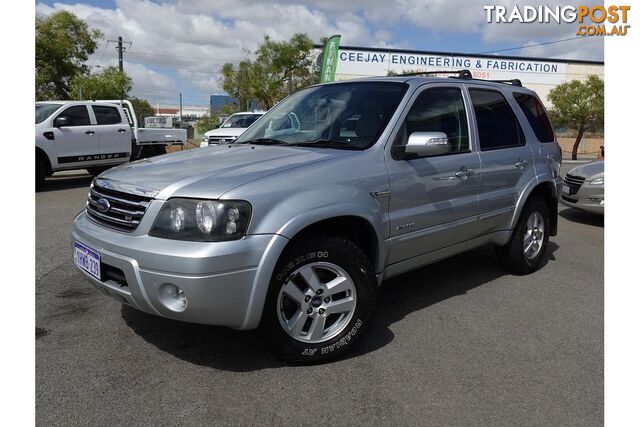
[
  {"x": 462, "y": 74},
  {"x": 513, "y": 82}
]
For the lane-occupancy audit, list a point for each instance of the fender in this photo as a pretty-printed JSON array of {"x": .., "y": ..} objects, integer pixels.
[
  {"x": 328, "y": 202},
  {"x": 524, "y": 196}
]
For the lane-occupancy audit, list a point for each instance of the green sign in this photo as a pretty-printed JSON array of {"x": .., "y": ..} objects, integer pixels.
[{"x": 330, "y": 59}]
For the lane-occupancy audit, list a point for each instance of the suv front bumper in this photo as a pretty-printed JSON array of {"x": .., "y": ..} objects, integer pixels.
[{"x": 225, "y": 282}]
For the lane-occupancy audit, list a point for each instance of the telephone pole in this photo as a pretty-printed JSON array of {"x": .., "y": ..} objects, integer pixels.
[
  {"x": 120, "y": 52},
  {"x": 180, "y": 110},
  {"x": 121, "y": 46}
]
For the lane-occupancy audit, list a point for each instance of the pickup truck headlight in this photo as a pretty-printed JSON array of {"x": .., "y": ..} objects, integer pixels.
[{"x": 202, "y": 220}]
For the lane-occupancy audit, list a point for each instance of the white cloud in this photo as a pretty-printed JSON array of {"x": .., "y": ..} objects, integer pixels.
[{"x": 191, "y": 39}]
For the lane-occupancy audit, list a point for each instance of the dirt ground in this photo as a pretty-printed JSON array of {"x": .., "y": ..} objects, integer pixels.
[
  {"x": 588, "y": 148},
  {"x": 191, "y": 143}
]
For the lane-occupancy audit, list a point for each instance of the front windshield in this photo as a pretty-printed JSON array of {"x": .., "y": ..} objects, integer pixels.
[
  {"x": 241, "y": 120},
  {"x": 345, "y": 115},
  {"x": 45, "y": 110}
]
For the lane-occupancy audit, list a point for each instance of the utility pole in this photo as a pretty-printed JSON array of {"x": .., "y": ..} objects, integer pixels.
[
  {"x": 180, "y": 110},
  {"x": 120, "y": 52},
  {"x": 121, "y": 46}
]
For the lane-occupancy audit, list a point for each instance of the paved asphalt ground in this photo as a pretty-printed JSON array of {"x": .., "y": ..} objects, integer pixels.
[{"x": 458, "y": 342}]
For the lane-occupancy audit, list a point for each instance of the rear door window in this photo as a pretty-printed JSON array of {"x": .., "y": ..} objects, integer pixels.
[
  {"x": 536, "y": 116},
  {"x": 498, "y": 126},
  {"x": 106, "y": 115}
]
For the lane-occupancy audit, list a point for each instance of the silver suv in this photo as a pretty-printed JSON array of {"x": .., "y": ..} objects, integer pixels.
[{"x": 293, "y": 228}]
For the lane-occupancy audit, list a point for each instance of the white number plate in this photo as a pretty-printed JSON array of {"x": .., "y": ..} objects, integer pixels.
[
  {"x": 565, "y": 189},
  {"x": 87, "y": 259}
]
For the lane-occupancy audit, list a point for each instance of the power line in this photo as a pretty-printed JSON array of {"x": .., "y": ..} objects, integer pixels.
[
  {"x": 211, "y": 58},
  {"x": 533, "y": 45}
]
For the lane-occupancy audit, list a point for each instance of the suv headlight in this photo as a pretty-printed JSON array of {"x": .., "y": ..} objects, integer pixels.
[
  {"x": 597, "y": 181},
  {"x": 202, "y": 220}
]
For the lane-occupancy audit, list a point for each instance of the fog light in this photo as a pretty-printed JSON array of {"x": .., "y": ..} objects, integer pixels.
[
  {"x": 173, "y": 297},
  {"x": 181, "y": 298}
]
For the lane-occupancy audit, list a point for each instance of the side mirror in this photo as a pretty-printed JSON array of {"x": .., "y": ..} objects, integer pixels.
[
  {"x": 61, "y": 121},
  {"x": 422, "y": 144}
]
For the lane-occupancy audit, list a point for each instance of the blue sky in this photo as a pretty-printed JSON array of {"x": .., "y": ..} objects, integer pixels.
[{"x": 180, "y": 45}]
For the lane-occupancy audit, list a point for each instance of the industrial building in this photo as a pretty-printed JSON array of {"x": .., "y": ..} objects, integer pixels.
[{"x": 539, "y": 74}]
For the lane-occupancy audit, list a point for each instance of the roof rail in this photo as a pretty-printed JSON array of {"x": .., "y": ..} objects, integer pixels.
[
  {"x": 513, "y": 82},
  {"x": 463, "y": 74}
]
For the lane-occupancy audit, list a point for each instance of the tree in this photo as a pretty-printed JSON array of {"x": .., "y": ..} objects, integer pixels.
[
  {"x": 110, "y": 83},
  {"x": 280, "y": 68},
  {"x": 142, "y": 109},
  {"x": 206, "y": 123},
  {"x": 239, "y": 83},
  {"x": 63, "y": 45},
  {"x": 578, "y": 105}
]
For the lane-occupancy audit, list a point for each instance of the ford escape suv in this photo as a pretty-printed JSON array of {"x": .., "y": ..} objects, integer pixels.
[{"x": 293, "y": 228}]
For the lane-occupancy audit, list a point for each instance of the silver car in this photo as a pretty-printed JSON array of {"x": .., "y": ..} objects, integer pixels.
[
  {"x": 584, "y": 188},
  {"x": 293, "y": 228}
]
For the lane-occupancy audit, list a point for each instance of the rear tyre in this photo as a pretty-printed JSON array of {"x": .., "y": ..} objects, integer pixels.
[
  {"x": 146, "y": 151},
  {"x": 529, "y": 240},
  {"x": 159, "y": 150},
  {"x": 41, "y": 173},
  {"x": 321, "y": 300}
]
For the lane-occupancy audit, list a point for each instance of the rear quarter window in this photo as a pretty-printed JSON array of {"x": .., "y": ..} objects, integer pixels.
[{"x": 536, "y": 116}]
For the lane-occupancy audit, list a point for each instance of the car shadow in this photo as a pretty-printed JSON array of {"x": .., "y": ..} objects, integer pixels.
[
  {"x": 244, "y": 351},
  {"x": 582, "y": 217},
  {"x": 66, "y": 182}
]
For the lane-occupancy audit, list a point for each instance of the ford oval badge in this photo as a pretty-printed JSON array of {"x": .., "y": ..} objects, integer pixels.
[{"x": 103, "y": 205}]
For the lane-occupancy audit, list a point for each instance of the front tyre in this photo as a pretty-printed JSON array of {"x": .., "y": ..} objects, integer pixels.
[
  {"x": 528, "y": 244},
  {"x": 41, "y": 173},
  {"x": 321, "y": 300}
]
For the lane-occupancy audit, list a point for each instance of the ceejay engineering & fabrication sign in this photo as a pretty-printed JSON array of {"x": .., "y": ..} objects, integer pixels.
[{"x": 368, "y": 63}]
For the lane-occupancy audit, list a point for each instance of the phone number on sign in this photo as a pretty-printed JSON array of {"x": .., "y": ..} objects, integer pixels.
[{"x": 480, "y": 74}]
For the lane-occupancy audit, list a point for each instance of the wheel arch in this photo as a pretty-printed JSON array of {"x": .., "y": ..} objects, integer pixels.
[
  {"x": 40, "y": 154},
  {"x": 546, "y": 190},
  {"x": 353, "y": 227}
]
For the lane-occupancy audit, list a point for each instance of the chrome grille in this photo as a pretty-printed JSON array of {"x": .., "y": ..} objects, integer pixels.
[
  {"x": 124, "y": 211},
  {"x": 221, "y": 139},
  {"x": 574, "y": 183}
]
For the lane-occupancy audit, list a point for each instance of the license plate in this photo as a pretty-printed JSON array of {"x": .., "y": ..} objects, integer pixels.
[
  {"x": 566, "y": 189},
  {"x": 87, "y": 259}
]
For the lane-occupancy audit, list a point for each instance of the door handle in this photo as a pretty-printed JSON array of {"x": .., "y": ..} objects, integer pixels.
[
  {"x": 521, "y": 164},
  {"x": 90, "y": 132},
  {"x": 464, "y": 173},
  {"x": 122, "y": 130}
]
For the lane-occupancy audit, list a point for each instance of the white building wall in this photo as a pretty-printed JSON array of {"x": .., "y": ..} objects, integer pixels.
[{"x": 538, "y": 74}]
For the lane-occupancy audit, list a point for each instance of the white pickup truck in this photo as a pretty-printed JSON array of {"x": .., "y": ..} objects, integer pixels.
[{"x": 94, "y": 135}]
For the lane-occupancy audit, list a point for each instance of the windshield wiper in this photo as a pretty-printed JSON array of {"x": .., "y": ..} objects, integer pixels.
[
  {"x": 264, "y": 141},
  {"x": 327, "y": 143}
]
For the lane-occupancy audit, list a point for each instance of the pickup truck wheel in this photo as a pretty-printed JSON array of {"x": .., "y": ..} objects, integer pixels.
[
  {"x": 528, "y": 244},
  {"x": 321, "y": 300},
  {"x": 40, "y": 173}
]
